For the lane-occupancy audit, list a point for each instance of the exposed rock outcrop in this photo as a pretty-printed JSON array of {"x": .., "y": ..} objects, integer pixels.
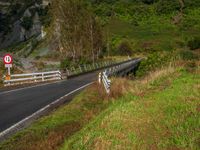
[{"x": 14, "y": 28}]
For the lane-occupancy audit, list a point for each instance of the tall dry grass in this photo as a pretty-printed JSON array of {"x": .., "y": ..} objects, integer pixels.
[{"x": 121, "y": 86}]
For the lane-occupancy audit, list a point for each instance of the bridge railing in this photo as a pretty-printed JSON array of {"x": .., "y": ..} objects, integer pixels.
[
  {"x": 117, "y": 70},
  {"x": 103, "y": 77},
  {"x": 88, "y": 67},
  {"x": 16, "y": 79}
]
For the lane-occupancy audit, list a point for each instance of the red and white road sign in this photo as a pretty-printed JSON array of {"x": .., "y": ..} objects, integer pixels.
[{"x": 7, "y": 59}]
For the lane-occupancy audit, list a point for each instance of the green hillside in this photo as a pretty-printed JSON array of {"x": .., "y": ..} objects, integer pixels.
[
  {"x": 149, "y": 24},
  {"x": 163, "y": 116},
  {"x": 112, "y": 27}
]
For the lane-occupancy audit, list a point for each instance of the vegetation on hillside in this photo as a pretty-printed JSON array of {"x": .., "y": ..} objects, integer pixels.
[
  {"x": 14, "y": 12},
  {"x": 149, "y": 25},
  {"x": 76, "y": 33},
  {"x": 86, "y": 30},
  {"x": 164, "y": 116}
]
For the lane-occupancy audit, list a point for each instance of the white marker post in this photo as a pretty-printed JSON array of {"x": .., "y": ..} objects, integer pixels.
[{"x": 8, "y": 64}]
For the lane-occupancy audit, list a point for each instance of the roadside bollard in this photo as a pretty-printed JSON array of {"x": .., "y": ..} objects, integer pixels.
[
  {"x": 43, "y": 77},
  {"x": 100, "y": 77}
]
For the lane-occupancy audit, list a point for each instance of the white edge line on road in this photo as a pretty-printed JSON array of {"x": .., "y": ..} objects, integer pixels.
[
  {"x": 29, "y": 87},
  {"x": 39, "y": 111}
]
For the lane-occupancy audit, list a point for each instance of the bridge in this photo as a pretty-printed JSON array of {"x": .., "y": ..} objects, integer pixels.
[{"x": 20, "y": 107}]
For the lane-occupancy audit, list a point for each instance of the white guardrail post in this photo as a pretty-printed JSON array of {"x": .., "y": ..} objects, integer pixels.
[
  {"x": 106, "y": 82},
  {"x": 115, "y": 70},
  {"x": 100, "y": 77}
]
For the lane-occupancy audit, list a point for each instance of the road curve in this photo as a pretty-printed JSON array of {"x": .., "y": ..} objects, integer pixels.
[{"x": 18, "y": 104}]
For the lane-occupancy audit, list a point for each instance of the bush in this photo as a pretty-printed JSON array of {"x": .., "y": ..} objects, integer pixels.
[
  {"x": 167, "y": 6},
  {"x": 40, "y": 65},
  {"x": 84, "y": 61},
  {"x": 149, "y": 1},
  {"x": 194, "y": 43},
  {"x": 187, "y": 55},
  {"x": 124, "y": 48},
  {"x": 153, "y": 62},
  {"x": 191, "y": 66},
  {"x": 65, "y": 63}
]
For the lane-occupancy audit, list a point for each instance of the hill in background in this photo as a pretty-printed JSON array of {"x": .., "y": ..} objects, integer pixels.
[
  {"x": 105, "y": 28},
  {"x": 149, "y": 25}
]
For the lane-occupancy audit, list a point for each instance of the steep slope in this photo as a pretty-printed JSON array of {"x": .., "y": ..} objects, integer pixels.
[
  {"x": 20, "y": 20},
  {"x": 164, "y": 116},
  {"x": 148, "y": 25}
]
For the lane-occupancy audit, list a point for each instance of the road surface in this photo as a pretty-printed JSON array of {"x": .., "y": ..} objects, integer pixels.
[{"x": 18, "y": 104}]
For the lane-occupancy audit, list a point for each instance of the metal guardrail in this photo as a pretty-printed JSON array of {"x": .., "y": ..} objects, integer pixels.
[
  {"x": 32, "y": 77},
  {"x": 17, "y": 79},
  {"x": 123, "y": 68},
  {"x": 117, "y": 70},
  {"x": 87, "y": 68},
  {"x": 106, "y": 82}
]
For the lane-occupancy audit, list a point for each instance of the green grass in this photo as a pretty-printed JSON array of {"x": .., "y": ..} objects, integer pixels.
[
  {"x": 153, "y": 31},
  {"x": 50, "y": 131},
  {"x": 166, "y": 117},
  {"x": 145, "y": 36},
  {"x": 161, "y": 112}
]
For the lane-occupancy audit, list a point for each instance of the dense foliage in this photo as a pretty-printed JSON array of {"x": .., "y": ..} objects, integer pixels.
[
  {"x": 76, "y": 33},
  {"x": 152, "y": 62},
  {"x": 149, "y": 24}
]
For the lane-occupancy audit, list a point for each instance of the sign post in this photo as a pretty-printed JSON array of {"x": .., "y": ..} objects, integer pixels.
[{"x": 8, "y": 64}]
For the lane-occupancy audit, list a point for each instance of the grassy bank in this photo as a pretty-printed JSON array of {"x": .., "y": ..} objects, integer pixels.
[
  {"x": 163, "y": 116},
  {"x": 49, "y": 132},
  {"x": 160, "y": 111}
]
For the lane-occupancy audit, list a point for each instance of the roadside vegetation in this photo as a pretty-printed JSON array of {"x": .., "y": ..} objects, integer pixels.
[
  {"x": 163, "y": 116},
  {"x": 158, "y": 108},
  {"x": 111, "y": 28},
  {"x": 160, "y": 111}
]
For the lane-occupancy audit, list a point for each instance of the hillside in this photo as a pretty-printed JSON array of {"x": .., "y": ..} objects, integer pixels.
[
  {"x": 99, "y": 29},
  {"x": 163, "y": 116},
  {"x": 20, "y": 21},
  {"x": 149, "y": 25}
]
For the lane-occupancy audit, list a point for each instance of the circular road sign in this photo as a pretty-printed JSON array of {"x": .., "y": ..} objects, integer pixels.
[{"x": 7, "y": 59}]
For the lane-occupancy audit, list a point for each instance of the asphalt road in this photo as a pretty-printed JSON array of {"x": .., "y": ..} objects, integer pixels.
[{"x": 18, "y": 104}]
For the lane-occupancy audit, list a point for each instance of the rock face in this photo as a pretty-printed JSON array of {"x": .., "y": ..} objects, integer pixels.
[{"x": 13, "y": 28}]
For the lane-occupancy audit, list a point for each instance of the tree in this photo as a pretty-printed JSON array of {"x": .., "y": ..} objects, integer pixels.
[{"x": 76, "y": 33}]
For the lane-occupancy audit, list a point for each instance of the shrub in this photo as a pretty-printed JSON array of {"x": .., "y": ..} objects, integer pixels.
[
  {"x": 65, "y": 63},
  {"x": 194, "y": 43},
  {"x": 191, "y": 66},
  {"x": 84, "y": 61},
  {"x": 124, "y": 48},
  {"x": 167, "y": 6},
  {"x": 153, "y": 62},
  {"x": 187, "y": 55},
  {"x": 149, "y": 1},
  {"x": 40, "y": 65}
]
